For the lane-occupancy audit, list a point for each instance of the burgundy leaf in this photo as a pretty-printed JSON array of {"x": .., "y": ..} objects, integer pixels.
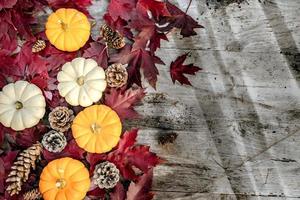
[
  {"x": 141, "y": 189},
  {"x": 7, "y": 3},
  {"x": 181, "y": 20},
  {"x": 29, "y": 136},
  {"x": 177, "y": 70},
  {"x": 97, "y": 193},
  {"x": 118, "y": 193},
  {"x": 123, "y": 102},
  {"x": 128, "y": 140},
  {"x": 98, "y": 52},
  {"x": 71, "y": 150}
]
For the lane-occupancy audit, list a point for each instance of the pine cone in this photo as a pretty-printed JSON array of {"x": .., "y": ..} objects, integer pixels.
[
  {"x": 113, "y": 38},
  {"x": 38, "y": 46},
  {"x": 54, "y": 141},
  {"x": 106, "y": 175},
  {"x": 61, "y": 118},
  {"x": 21, "y": 168},
  {"x": 33, "y": 194},
  {"x": 116, "y": 75}
]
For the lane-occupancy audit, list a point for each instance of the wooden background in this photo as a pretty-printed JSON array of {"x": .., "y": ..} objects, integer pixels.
[{"x": 238, "y": 127}]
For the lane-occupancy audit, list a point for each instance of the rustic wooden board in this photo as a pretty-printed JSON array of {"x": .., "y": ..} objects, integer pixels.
[{"x": 239, "y": 126}]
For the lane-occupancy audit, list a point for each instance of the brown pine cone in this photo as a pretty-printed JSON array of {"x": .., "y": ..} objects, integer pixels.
[
  {"x": 61, "y": 118},
  {"x": 113, "y": 38},
  {"x": 116, "y": 75},
  {"x": 106, "y": 175},
  {"x": 38, "y": 46},
  {"x": 33, "y": 194},
  {"x": 54, "y": 141},
  {"x": 21, "y": 168}
]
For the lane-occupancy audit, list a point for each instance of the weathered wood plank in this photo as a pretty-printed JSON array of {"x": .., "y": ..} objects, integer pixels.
[{"x": 238, "y": 127}]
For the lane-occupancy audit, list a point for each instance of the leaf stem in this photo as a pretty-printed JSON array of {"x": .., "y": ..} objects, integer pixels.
[{"x": 188, "y": 6}]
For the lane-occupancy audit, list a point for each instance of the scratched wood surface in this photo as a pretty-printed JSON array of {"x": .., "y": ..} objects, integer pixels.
[{"x": 238, "y": 127}]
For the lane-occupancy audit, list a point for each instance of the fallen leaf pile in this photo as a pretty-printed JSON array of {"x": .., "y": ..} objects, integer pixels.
[{"x": 26, "y": 54}]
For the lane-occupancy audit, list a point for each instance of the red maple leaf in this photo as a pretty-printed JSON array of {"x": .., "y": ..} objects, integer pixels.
[
  {"x": 29, "y": 136},
  {"x": 71, "y": 150},
  {"x": 181, "y": 20},
  {"x": 98, "y": 52},
  {"x": 121, "y": 8},
  {"x": 8, "y": 33},
  {"x": 130, "y": 158},
  {"x": 119, "y": 25},
  {"x": 157, "y": 8},
  {"x": 56, "y": 58},
  {"x": 143, "y": 59},
  {"x": 29, "y": 64},
  {"x": 6, "y": 162},
  {"x": 118, "y": 193},
  {"x": 177, "y": 70},
  {"x": 80, "y": 5},
  {"x": 123, "y": 102},
  {"x": 141, "y": 190},
  {"x": 128, "y": 140},
  {"x": 96, "y": 193},
  {"x": 7, "y": 3}
]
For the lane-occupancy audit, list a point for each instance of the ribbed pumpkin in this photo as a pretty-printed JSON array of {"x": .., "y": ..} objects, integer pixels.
[
  {"x": 97, "y": 129},
  {"x": 22, "y": 105},
  {"x": 64, "y": 179},
  {"x": 81, "y": 82},
  {"x": 68, "y": 29}
]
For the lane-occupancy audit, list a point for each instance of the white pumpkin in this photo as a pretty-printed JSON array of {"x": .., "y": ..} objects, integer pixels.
[
  {"x": 81, "y": 82},
  {"x": 22, "y": 105}
]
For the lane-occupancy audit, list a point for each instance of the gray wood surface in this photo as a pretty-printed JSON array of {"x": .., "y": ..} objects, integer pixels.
[{"x": 239, "y": 125}]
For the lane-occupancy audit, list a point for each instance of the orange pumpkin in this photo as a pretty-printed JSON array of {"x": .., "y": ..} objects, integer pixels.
[
  {"x": 68, "y": 29},
  {"x": 97, "y": 129},
  {"x": 64, "y": 179}
]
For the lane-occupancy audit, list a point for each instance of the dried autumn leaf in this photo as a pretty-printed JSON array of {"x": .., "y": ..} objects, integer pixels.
[
  {"x": 7, "y": 3},
  {"x": 128, "y": 140},
  {"x": 30, "y": 136},
  {"x": 177, "y": 70},
  {"x": 71, "y": 150},
  {"x": 6, "y": 162},
  {"x": 56, "y": 58},
  {"x": 80, "y": 5},
  {"x": 123, "y": 102},
  {"x": 96, "y": 193},
  {"x": 118, "y": 192},
  {"x": 98, "y": 52},
  {"x": 131, "y": 160},
  {"x": 121, "y": 8},
  {"x": 157, "y": 8},
  {"x": 29, "y": 64},
  {"x": 141, "y": 189},
  {"x": 181, "y": 20}
]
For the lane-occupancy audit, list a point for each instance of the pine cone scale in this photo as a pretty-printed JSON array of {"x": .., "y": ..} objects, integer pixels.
[
  {"x": 60, "y": 118},
  {"x": 116, "y": 75},
  {"x": 21, "y": 168},
  {"x": 54, "y": 141},
  {"x": 106, "y": 175}
]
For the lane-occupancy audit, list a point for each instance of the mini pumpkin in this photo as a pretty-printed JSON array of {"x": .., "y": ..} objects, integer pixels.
[
  {"x": 64, "y": 179},
  {"x": 97, "y": 129},
  {"x": 81, "y": 82},
  {"x": 68, "y": 29},
  {"x": 22, "y": 105}
]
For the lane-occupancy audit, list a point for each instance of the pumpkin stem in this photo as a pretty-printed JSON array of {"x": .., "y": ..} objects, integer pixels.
[
  {"x": 95, "y": 128},
  {"x": 80, "y": 80},
  {"x": 60, "y": 183},
  {"x": 18, "y": 105},
  {"x": 64, "y": 26}
]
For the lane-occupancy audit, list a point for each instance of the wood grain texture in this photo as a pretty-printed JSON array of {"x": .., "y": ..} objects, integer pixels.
[{"x": 238, "y": 127}]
